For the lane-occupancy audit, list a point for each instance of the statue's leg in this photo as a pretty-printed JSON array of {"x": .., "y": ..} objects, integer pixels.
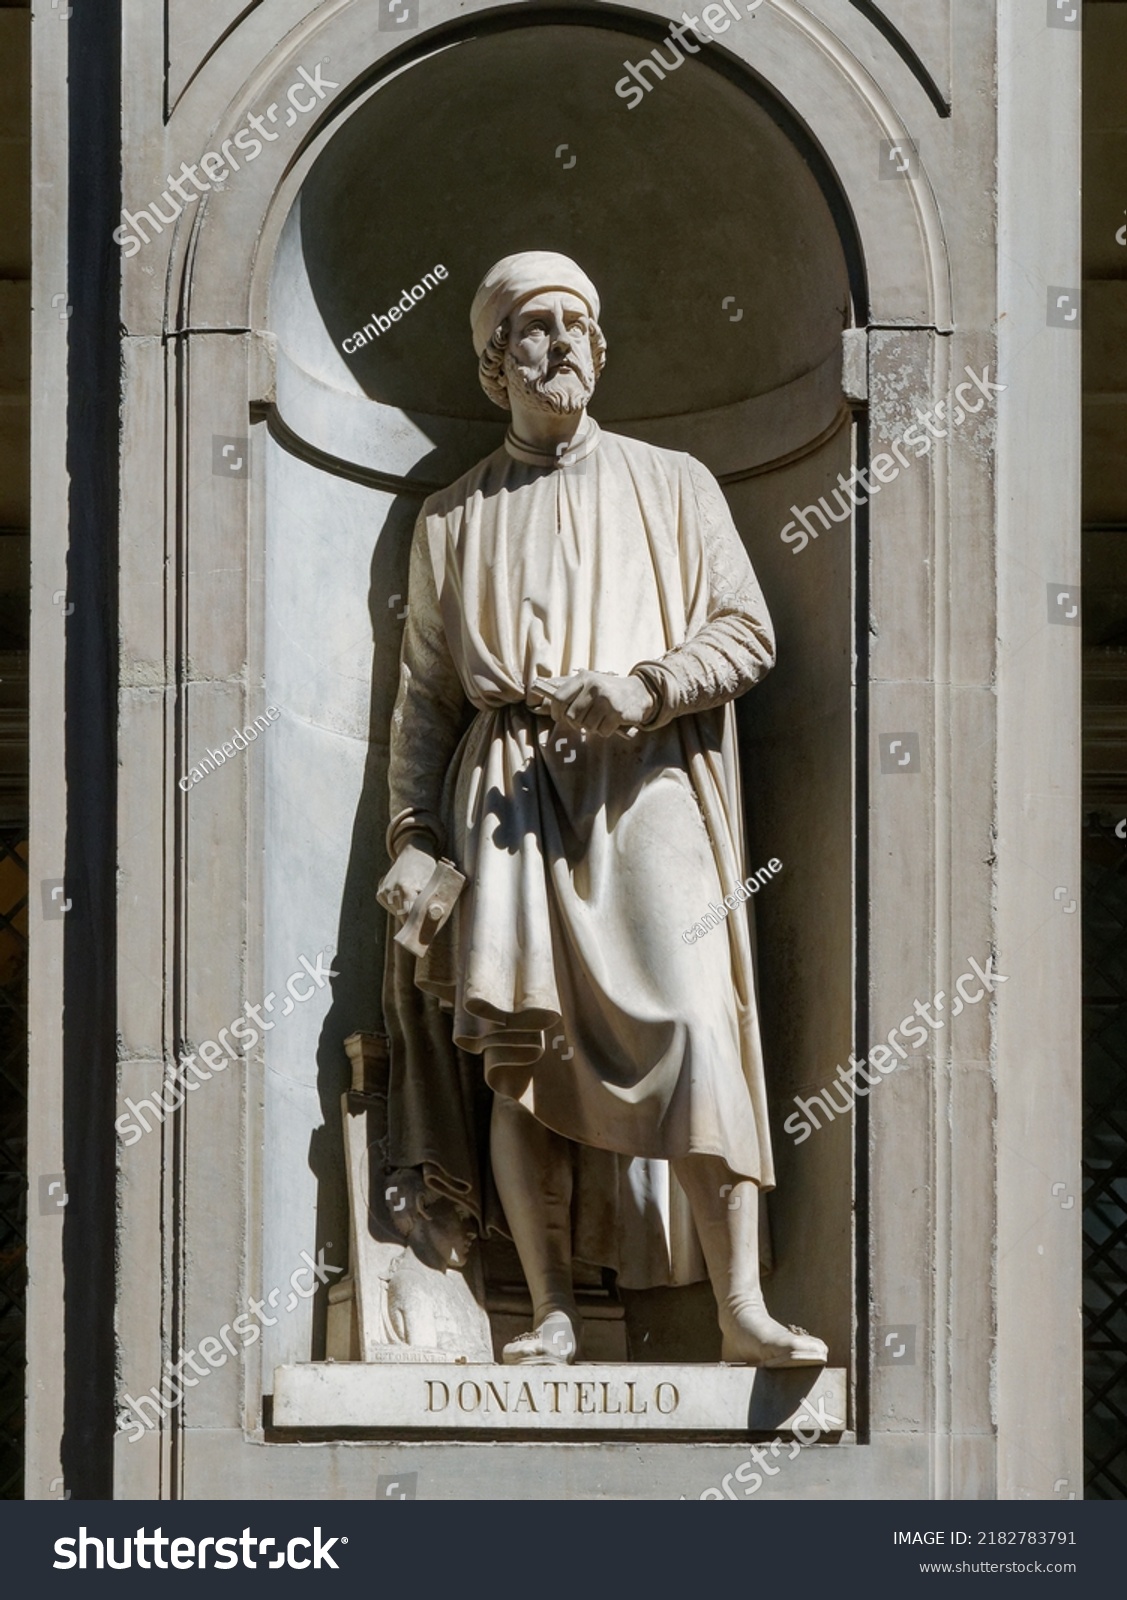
[
  {"x": 533, "y": 1173},
  {"x": 726, "y": 1213}
]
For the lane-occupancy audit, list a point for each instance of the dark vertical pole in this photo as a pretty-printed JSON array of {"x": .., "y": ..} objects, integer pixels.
[{"x": 89, "y": 1035}]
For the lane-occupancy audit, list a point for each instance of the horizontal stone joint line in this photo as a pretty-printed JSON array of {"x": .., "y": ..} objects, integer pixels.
[
  {"x": 908, "y": 327},
  {"x": 193, "y": 332}
]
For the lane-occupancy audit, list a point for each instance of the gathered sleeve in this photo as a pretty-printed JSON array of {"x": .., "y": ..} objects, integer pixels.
[
  {"x": 735, "y": 647},
  {"x": 430, "y": 716}
]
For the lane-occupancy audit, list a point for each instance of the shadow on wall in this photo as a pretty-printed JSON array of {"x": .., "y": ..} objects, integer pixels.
[{"x": 362, "y": 928}]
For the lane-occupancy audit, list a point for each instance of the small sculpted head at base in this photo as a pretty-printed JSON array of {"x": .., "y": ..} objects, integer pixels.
[{"x": 439, "y": 1231}]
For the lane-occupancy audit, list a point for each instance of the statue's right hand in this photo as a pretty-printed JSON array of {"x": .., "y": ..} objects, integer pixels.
[{"x": 408, "y": 876}]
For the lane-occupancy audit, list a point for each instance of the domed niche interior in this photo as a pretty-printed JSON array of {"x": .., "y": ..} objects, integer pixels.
[{"x": 713, "y": 248}]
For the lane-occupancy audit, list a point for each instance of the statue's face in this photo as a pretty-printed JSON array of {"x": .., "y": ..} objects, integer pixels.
[
  {"x": 549, "y": 364},
  {"x": 450, "y": 1230}
]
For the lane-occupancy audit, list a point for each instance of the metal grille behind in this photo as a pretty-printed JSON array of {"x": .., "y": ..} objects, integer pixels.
[{"x": 1105, "y": 1162}]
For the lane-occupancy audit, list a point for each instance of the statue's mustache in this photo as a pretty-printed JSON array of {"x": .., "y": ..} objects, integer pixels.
[
  {"x": 541, "y": 382},
  {"x": 555, "y": 372},
  {"x": 541, "y": 388}
]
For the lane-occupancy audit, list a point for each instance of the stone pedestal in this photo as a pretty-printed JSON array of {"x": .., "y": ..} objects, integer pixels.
[{"x": 590, "y": 1399}]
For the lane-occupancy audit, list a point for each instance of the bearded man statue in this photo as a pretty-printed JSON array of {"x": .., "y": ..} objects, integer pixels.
[{"x": 582, "y": 614}]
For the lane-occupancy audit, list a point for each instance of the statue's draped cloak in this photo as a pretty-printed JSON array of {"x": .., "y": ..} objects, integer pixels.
[{"x": 563, "y": 969}]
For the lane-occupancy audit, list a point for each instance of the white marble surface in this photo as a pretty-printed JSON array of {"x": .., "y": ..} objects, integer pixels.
[{"x": 589, "y": 1397}]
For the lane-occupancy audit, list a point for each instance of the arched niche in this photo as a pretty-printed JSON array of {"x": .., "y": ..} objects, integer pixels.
[{"x": 709, "y": 225}]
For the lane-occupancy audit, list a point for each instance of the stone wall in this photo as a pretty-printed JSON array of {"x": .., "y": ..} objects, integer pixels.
[{"x": 823, "y": 227}]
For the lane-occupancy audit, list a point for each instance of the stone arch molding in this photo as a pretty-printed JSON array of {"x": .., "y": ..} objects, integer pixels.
[
  {"x": 225, "y": 255},
  {"x": 223, "y": 250}
]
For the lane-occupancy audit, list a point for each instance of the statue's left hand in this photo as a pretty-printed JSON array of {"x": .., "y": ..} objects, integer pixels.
[
  {"x": 602, "y": 703},
  {"x": 409, "y": 875}
]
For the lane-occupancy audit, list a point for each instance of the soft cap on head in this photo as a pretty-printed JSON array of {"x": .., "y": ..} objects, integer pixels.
[{"x": 516, "y": 278}]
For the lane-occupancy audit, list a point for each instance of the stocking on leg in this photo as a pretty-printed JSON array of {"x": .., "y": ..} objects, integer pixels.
[
  {"x": 533, "y": 1173},
  {"x": 726, "y": 1213}
]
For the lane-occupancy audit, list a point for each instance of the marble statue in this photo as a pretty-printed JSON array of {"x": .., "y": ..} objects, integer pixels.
[
  {"x": 582, "y": 614},
  {"x": 429, "y": 1311}
]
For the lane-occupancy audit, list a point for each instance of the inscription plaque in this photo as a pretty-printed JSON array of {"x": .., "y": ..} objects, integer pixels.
[{"x": 584, "y": 1398}]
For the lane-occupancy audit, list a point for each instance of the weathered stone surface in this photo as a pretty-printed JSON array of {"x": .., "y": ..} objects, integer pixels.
[{"x": 584, "y": 1398}]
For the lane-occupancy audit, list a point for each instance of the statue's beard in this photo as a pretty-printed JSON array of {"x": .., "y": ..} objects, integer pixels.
[{"x": 562, "y": 394}]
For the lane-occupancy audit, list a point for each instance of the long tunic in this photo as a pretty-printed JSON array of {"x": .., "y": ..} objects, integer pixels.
[{"x": 563, "y": 966}]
